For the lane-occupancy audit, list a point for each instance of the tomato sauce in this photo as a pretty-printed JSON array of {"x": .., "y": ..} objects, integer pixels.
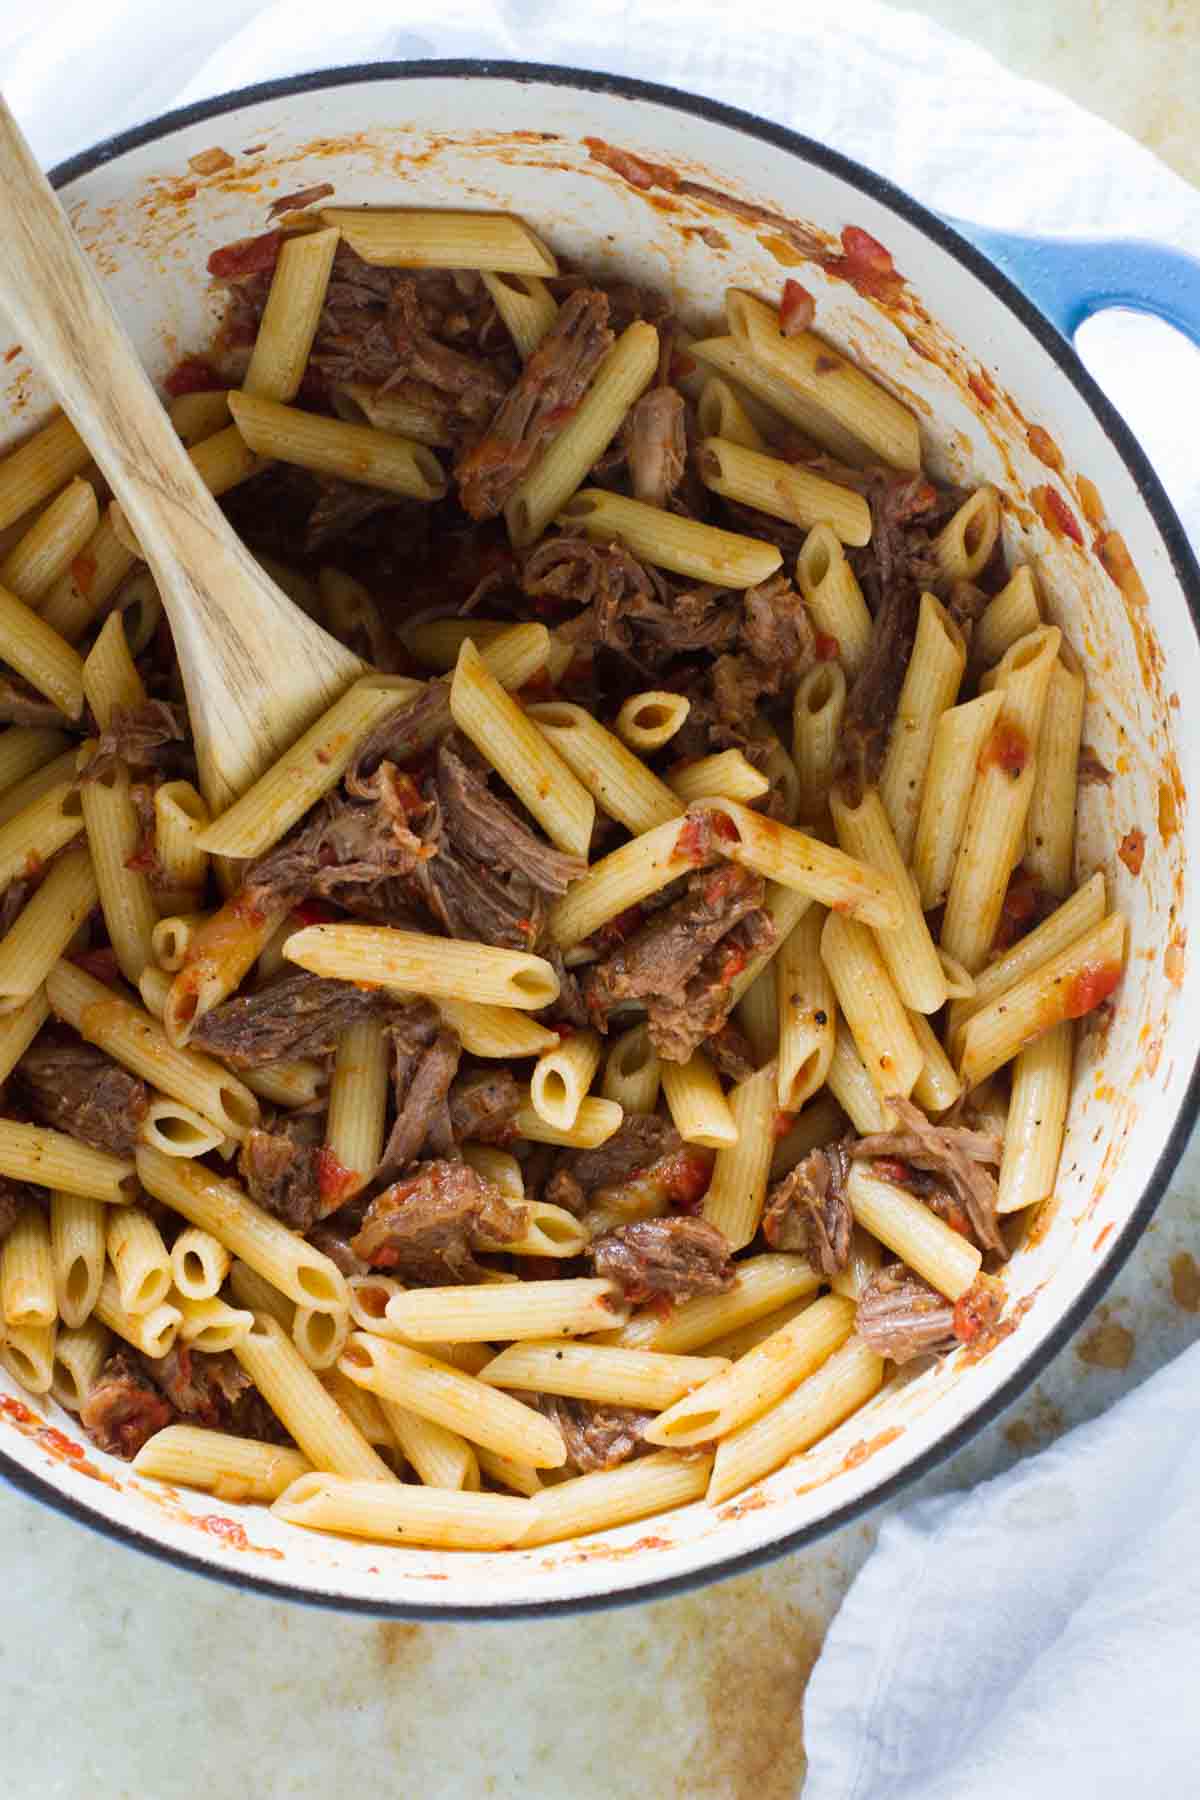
[
  {"x": 1093, "y": 984},
  {"x": 1006, "y": 749}
]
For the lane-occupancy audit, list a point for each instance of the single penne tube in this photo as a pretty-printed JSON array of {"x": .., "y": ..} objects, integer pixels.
[
  {"x": 459, "y": 1401},
  {"x": 946, "y": 1259},
  {"x": 870, "y": 1006},
  {"x": 136, "y": 1039},
  {"x": 113, "y": 833},
  {"x": 632, "y": 1072},
  {"x": 359, "y": 453},
  {"x": 443, "y": 239},
  {"x": 813, "y": 369},
  {"x": 930, "y": 685},
  {"x": 76, "y": 598},
  {"x": 818, "y": 706},
  {"x": 850, "y": 1083},
  {"x": 697, "y": 1103},
  {"x": 27, "y": 1352},
  {"x": 51, "y": 1159},
  {"x": 414, "y": 963},
  {"x": 34, "y": 786},
  {"x": 601, "y": 1372},
  {"x": 618, "y": 781},
  {"x": 290, "y": 317},
  {"x": 994, "y": 834},
  {"x": 522, "y": 1478},
  {"x": 720, "y": 413},
  {"x": 46, "y": 551},
  {"x": 435, "y": 643},
  {"x": 39, "y": 466},
  {"x": 212, "y": 1325},
  {"x": 1050, "y": 827},
  {"x": 783, "y": 490},
  {"x": 199, "y": 1264},
  {"x": 179, "y": 1130},
  {"x": 549, "y": 1230},
  {"x": 362, "y": 1409},
  {"x": 595, "y": 1123},
  {"x": 817, "y": 870},
  {"x": 506, "y": 1311},
  {"x": 198, "y": 416},
  {"x": 959, "y": 985},
  {"x": 218, "y": 957},
  {"x": 762, "y": 1284},
  {"x": 320, "y": 1337},
  {"x": 80, "y": 1352},
  {"x": 806, "y": 1008},
  {"x": 523, "y": 757},
  {"x": 500, "y": 1167},
  {"x": 819, "y": 1123},
  {"x": 232, "y": 1469},
  {"x": 27, "y": 1287},
  {"x": 610, "y": 1497},
  {"x": 622, "y": 378},
  {"x": 44, "y": 927},
  {"x": 780, "y": 771},
  {"x": 685, "y": 546},
  {"x": 110, "y": 676},
  {"x": 937, "y": 1087},
  {"x": 762, "y": 1376},
  {"x": 302, "y": 1272},
  {"x": 139, "y": 1259},
  {"x": 495, "y": 1031},
  {"x": 1012, "y": 614},
  {"x": 730, "y": 358},
  {"x": 292, "y": 1390},
  {"x": 735, "y": 1196},
  {"x": 526, "y": 305},
  {"x": 77, "y": 1253},
  {"x": 958, "y": 741},
  {"x": 727, "y": 773},
  {"x": 735, "y": 1344},
  {"x": 24, "y": 749},
  {"x": 833, "y": 596},
  {"x": 171, "y": 936},
  {"x": 357, "y": 1114},
  {"x": 758, "y": 1016},
  {"x": 561, "y": 1078},
  {"x": 287, "y": 1083},
  {"x": 446, "y": 1518},
  {"x": 33, "y": 835},
  {"x": 622, "y": 879},
  {"x": 1037, "y": 1115},
  {"x": 964, "y": 544},
  {"x": 785, "y": 907},
  {"x": 440, "y": 1458},
  {"x": 838, "y": 1388},
  {"x": 258, "y": 1295},
  {"x": 152, "y": 1332},
  {"x": 648, "y": 721},
  {"x": 1066, "y": 924},
  {"x": 909, "y": 954},
  {"x": 1066, "y": 987},
  {"x": 864, "y": 1263},
  {"x": 305, "y": 773}
]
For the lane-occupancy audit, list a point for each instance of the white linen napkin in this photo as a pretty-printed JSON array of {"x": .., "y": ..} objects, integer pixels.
[{"x": 1036, "y": 1636}]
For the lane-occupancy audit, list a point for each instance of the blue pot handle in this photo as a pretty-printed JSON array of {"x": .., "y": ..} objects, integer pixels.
[{"x": 1069, "y": 279}]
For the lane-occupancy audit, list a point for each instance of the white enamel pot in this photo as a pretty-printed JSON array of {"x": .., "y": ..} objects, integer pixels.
[{"x": 981, "y": 365}]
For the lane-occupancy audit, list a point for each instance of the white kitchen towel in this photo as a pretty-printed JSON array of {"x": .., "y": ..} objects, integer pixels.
[{"x": 1038, "y": 1635}]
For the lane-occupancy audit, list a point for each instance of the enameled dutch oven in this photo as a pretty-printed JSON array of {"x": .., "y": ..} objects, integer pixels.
[{"x": 978, "y": 345}]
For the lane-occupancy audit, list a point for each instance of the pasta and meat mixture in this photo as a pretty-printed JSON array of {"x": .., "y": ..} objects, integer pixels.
[{"x": 636, "y": 1016}]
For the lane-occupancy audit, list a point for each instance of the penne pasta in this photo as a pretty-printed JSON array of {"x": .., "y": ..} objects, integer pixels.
[
  {"x": 806, "y": 1008},
  {"x": 1012, "y": 614},
  {"x": 80, "y": 1352},
  {"x": 758, "y": 1016},
  {"x": 414, "y": 963},
  {"x": 77, "y": 1253},
  {"x": 963, "y": 545},
  {"x": 439, "y": 1457},
  {"x": 358, "y": 1095},
  {"x": 561, "y": 1078},
  {"x": 697, "y": 1103},
  {"x": 720, "y": 413},
  {"x": 113, "y": 834},
  {"x": 152, "y": 1332},
  {"x": 820, "y": 1122},
  {"x": 323, "y": 1432},
  {"x": 506, "y": 1311},
  {"x": 27, "y": 1352},
  {"x": 937, "y": 1087},
  {"x": 291, "y": 315},
  {"x": 601, "y": 1372},
  {"x": 947, "y": 1260},
  {"x": 930, "y": 685},
  {"x": 38, "y": 467},
  {"x": 199, "y": 1264},
  {"x": 620, "y": 880},
  {"x": 320, "y": 1337},
  {"x": 833, "y": 596},
  {"x": 46, "y": 551},
  {"x": 24, "y": 750},
  {"x": 1037, "y": 1114},
  {"x": 139, "y": 1259},
  {"x": 738, "y": 1188},
  {"x": 685, "y": 546},
  {"x": 27, "y": 1288},
  {"x": 851, "y": 1085},
  {"x": 359, "y": 453},
  {"x": 619, "y": 782},
  {"x": 735, "y": 1344},
  {"x": 783, "y": 490},
  {"x": 651, "y": 1484},
  {"x": 41, "y": 655},
  {"x": 179, "y": 1130},
  {"x": 443, "y": 1517},
  {"x": 632, "y": 1072},
  {"x": 909, "y": 954},
  {"x": 30, "y": 949},
  {"x": 817, "y": 712},
  {"x": 958, "y": 741},
  {"x": 1050, "y": 827},
  {"x": 648, "y": 721},
  {"x": 728, "y": 356},
  {"x": 199, "y": 416},
  {"x": 94, "y": 576},
  {"x": 256, "y": 1294},
  {"x": 526, "y": 305},
  {"x": 232, "y": 1469},
  {"x": 1066, "y": 924},
  {"x": 871, "y": 1008},
  {"x": 865, "y": 1262},
  {"x": 817, "y": 870},
  {"x": 761, "y": 1285},
  {"x": 495, "y": 1031},
  {"x": 419, "y": 239},
  {"x": 726, "y": 774},
  {"x": 212, "y": 1325}
]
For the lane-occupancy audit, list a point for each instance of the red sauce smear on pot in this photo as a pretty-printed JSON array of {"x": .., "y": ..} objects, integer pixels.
[
  {"x": 1056, "y": 513},
  {"x": 250, "y": 256},
  {"x": 866, "y": 264},
  {"x": 192, "y": 376}
]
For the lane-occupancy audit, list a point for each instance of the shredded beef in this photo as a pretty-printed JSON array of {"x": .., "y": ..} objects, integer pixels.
[
  {"x": 680, "y": 1258},
  {"x": 343, "y": 846},
  {"x": 573, "y": 569},
  {"x": 421, "y": 1081},
  {"x": 487, "y": 828},
  {"x": 808, "y": 1210},
  {"x": 282, "y": 1171},
  {"x": 596, "y": 1437},
  {"x": 301, "y": 1015},
  {"x": 544, "y": 397},
  {"x": 124, "y": 1408},
  {"x": 469, "y": 899},
  {"x": 339, "y": 507},
  {"x": 951, "y": 1153},
  {"x": 730, "y": 1051},
  {"x": 484, "y": 1106},
  {"x": 75, "y": 1088},
  {"x": 429, "y": 1226},
  {"x": 639, "y": 1141},
  {"x": 682, "y": 961},
  {"x": 900, "y": 1316},
  {"x": 21, "y": 704},
  {"x": 302, "y": 198},
  {"x": 401, "y": 734},
  {"x": 143, "y": 736},
  {"x": 15, "y": 1196},
  {"x": 476, "y": 385},
  {"x": 331, "y": 1243},
  {"x": 655, "y": 441},
  {"x": 198, "y": 1385}
]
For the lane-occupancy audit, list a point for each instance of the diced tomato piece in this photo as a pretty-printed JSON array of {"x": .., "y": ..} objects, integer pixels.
[
  {"x": 826, "y": 647},
  {"x": 978, "y": 1309},
  {"x": 249, "y": 256},
  {"x": 797, "y": 309},
  {"x": 1093, "y": 984},
  {"x": 192, "y": 376},
  {"x": 1007, "y": 748}
]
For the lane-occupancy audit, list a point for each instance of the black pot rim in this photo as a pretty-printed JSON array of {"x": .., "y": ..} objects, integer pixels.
[{"x": 1186, "y": 569}]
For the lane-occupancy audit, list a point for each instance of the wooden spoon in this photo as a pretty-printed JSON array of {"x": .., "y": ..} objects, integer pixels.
[{"x": 257, "y": 672}]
